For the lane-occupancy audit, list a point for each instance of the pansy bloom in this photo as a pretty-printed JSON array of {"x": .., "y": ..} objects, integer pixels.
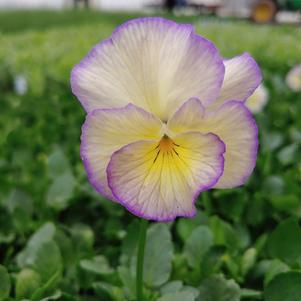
[{"x": 166, "y": 118}]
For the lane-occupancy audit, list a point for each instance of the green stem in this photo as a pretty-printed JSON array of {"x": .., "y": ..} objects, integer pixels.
[
  {"x": 207, "y": 202},
  {"x": 140, "y": 259}
]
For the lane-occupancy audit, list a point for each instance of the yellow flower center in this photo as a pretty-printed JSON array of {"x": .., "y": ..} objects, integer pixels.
[{"x": 166, "y": 146}]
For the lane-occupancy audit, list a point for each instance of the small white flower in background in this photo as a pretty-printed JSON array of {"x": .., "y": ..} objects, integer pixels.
[
  {"x": 258, "y": 100},
  {"x": 20, "y": 84},
  {"x": 293, "y": 78}
]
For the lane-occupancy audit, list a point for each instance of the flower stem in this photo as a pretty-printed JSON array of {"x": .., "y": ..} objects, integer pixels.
[
  {"x": 140, "y": 259},
  {"x": 207, "y": 202}
]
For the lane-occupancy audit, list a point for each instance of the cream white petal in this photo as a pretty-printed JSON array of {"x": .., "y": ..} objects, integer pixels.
[
  {"x": 152, "y": 62},
  {"x": 160, "y": 180},
  {"x": 234, "y": 125},
  {"x": 187, "y": 117},
  {"x": 107, "y": 130},
  {"x": 242, "y": 77}
]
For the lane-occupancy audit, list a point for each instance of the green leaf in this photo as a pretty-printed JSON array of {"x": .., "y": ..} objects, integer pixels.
[
  {"x": 57, "y": 163},
  {"x": 248, "y": 260},
  {"x": 5, "y": 284},
  {"x": 129, "y": 243},
  {"x": 44, "y": 234},
  {"x": 276, "y": 267},
  {"x": 20, "y": 206},
  {"x": 198, "y": 243},
  {"x": 171, "y": 287},
  {"x": 98, "y": 265},
  {"x": 185, "y": 226},
  {"x": 21, "y": 220},
  {"x": 47, "y": 288},
  {"x": 61, "y": 191},
  {"x": 295, "y": 135},
  {"x": 213, "y": 260},
  {"x": 57, "y": 295},
  {"x": 19, "y": 199},
  {"x": 223, "y": 233},
  {"x": 158, "y": 255},
  {"x": 271, "y": 141},
  {"x": 128, "y": 280},
  {"x": 195, "y": 292},
  {"x": 48, "y": 260},
  {"x": 83, "y": 239},
  {"x": 289, "y": 154},
  {"x": 114, "y": 292},
  {"x": 178, "y": 296},
  {"x": 284, "y": 287},
  {"x": 251, "y": 294},
  {"x": 27, "y": 282},
  {"x": 285, "y": 242},
  {"x": 65, "y": 245},
  {"x": 217, "y": 288},
  {"x": 273, "y": 185},
  {"x": 289, "y": 203}
]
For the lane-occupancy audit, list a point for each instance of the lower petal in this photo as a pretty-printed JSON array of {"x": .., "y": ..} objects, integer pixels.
[{"x": 161, "y": 180}]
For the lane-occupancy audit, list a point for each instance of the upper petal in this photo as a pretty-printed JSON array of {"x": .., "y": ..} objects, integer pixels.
[
  {"x": 242, "y": 77},
  {"x": 107, "y": 130},
  {"x": 233, "y": 123},
  {"x": 151, "y": 62},
  {"x": 161, "y": 180}
]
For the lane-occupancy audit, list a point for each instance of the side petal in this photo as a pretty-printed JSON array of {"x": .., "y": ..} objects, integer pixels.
[
  {"x": 151, "y": 62},
  {"x": 236, "y": 127},
  {"x": 242, "y": 77},
  {"x": 107, "y": 130},
  {"x": 233, "y": 123},
  {"x": 162, "y": 183}
]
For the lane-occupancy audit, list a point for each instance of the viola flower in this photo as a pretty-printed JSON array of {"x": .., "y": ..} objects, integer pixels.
[
  {"x": 258, "y": 100},
  {"x": 166, "y": 118},
  {"x": 293, "y": 78}
]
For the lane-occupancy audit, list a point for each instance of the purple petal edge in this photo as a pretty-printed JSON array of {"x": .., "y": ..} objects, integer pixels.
[
  {"x": 218, "y": 60},
  {"x": 249, "y": 116},
  {"x": 88, "y": 59},
  {"x": 257, "y": 71},
  {"x": 142, "y": 20},
  {"x": 184, "y": 105},
  {"x": 98, "y": 186},
  {"x": 136, "y": 211},
  {"x": 84, "y": 63}
]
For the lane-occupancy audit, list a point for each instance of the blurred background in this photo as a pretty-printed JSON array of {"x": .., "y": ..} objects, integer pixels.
[
  {"x": 60, "y": 240},
  {"x": 258, "y": 10}
]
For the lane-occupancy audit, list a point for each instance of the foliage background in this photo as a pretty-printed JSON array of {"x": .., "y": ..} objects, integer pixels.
[{"x": 59, "y": 240}]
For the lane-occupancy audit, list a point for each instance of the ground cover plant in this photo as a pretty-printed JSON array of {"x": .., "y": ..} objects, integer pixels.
[{"x": 59, "y": 240}]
